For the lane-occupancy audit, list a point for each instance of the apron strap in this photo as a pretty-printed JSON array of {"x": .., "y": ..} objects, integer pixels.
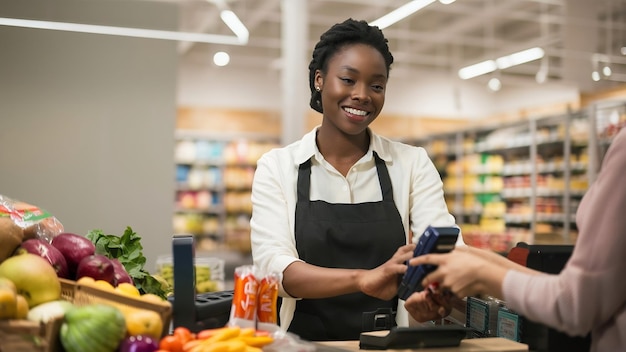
[
  {"x": 304, "y": 181},
  {"x": 384, "y": 179}
]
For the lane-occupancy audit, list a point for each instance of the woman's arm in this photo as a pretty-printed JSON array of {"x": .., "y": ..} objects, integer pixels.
[
  {"x": 309, "y": 281},
  {"x": 427, "y": 205},
  {"x": 271, "y": 234}
]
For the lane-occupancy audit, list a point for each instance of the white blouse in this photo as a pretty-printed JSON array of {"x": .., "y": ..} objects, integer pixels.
[{"x": 417, "y": 192}]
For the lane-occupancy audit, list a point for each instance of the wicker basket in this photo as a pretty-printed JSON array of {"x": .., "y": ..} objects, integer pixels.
[{"x": 30, "y": 336}]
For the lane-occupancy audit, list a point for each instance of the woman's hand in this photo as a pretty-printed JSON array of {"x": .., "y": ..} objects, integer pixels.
[
  {"x": 466, "y": 271},
  {"x": 382, "y": 281},
  {"x": 428, "y": 305}
]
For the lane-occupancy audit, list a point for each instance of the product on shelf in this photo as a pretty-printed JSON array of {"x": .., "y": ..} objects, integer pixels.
[
  {"x": 214, "y": 179},
  {"x": 209, "y": 272},
  {"x": 518, "y": 181}
]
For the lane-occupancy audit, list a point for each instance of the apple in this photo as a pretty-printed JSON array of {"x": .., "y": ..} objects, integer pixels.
[
  {"x": 74, "y": 248},
  {"x": 96, "y": 266},
  {"x": 33, "y": 276},
  {"x": 47, "y": 252},
  {"x": 121, "y": 275}
]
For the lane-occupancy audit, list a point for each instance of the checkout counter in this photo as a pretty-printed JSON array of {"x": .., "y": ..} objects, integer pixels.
[
  {"x": 213, "y": 311},
  {"x": 468, "y": 345}
]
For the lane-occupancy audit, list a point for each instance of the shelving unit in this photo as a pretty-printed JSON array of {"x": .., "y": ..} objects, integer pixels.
[
  {"x": 516, "y": 182},
  {"x": 214, "y": 175}
]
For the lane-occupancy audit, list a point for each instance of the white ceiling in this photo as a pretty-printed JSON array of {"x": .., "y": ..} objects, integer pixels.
[{"x": 439, "y": 37}]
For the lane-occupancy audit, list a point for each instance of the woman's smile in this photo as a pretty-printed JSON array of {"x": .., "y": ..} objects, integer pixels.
[{"x": 356, "y": 115}]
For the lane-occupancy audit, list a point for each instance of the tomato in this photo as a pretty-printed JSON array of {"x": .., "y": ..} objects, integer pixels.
[
  {"x": 183, "y": 334},
  {"x": 171, "y": 343}
]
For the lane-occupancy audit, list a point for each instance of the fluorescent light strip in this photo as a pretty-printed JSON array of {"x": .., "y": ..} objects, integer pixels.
[
  {"x": 501, "y": 63},
  {"x": 400, "y": 13},
  {"x": 235, "y": 25},
  {"x": 519, "y": 58},
  {"x": 477, "y": 69},
  {"x": 128, "y": 32}
]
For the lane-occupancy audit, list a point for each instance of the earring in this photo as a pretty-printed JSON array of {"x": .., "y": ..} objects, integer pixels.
[{"x": 317, "y": 88}]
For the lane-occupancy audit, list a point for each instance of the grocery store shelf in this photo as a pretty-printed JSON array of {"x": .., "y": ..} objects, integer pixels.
[{"x": 517, "y": 179}]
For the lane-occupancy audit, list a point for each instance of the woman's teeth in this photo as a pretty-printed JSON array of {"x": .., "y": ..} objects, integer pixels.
[{"x": 355, "y": 111}]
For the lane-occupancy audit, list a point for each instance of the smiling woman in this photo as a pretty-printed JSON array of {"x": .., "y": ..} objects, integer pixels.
[{"x": 333, "y": 212}]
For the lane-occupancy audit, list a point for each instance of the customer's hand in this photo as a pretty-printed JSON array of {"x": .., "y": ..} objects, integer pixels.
[
  {"x": 382, "y": 282},
  {"x": 465, "y": 271},
  {"x": 426, "y": 305}
]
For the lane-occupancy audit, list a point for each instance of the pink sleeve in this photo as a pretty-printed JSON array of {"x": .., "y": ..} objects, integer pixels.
[{"x": 592, "y": 286}]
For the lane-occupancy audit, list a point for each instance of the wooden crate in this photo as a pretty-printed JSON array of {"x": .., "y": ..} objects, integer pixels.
[{"x": 30, "y": 336}]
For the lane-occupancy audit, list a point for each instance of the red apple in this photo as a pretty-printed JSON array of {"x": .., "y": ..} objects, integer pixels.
[
  {"x": 97, "y": 267},
  {"x": 74, "y": 248},
  {"x": 121, "y": 275},
  {"x": 47, "y": 252}
]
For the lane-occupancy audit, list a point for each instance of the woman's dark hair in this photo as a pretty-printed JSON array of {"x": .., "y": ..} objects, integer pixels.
[{"x": 339, "y": 35}]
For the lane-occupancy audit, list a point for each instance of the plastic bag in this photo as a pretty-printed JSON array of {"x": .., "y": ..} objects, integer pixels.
[
  {"x": 288, "y": 342},
  {"x": 34, "y": 221}
]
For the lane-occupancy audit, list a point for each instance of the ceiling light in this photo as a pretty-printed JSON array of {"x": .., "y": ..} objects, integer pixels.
[
  {"x": 595, "y": 76},
  {"x": 221, "y": 58},
  {"x": 519, "y": 58},
  {"x": 235, "y": 25},
  {"x": 477, "y": 69},
  {"x": 503, "y": 62},
  {"x": 127, "y": 32},
  {"x": 541, "y": 76},
  {"x": 446, "y": 2},
  {"x": 606, "y": 71},
  {"x": 401, "y": 13},
  {"x": 494, "y": 84}
]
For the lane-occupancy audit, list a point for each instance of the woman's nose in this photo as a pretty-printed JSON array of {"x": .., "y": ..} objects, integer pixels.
[{"x": 361, "y": 93}]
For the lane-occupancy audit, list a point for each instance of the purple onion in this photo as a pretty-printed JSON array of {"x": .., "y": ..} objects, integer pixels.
[{"x": 139, "y": 343}]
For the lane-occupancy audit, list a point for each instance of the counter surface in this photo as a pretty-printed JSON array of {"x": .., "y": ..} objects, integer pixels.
[{"x": 468, "y": 345}]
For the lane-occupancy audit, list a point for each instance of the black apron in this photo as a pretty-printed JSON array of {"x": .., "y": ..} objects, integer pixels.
[{"x": 352, "y": 236}]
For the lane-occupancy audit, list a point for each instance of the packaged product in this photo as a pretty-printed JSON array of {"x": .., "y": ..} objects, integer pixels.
[{"x": 20, "y": 221}]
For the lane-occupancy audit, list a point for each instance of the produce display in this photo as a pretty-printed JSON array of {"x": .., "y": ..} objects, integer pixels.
[
  {"x": 227, "y": 339},
  {"x": 76, "y": 293},
  {"x": 94, "y": 285}
]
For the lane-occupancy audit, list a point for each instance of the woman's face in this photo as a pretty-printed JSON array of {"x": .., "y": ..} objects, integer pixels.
[{"x": 353, "y": 89}]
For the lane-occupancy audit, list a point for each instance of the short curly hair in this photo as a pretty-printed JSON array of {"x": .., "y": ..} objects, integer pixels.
[{"x": 339, "y": 35}]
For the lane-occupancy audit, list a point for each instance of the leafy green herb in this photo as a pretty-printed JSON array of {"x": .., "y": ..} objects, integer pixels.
[{"x": 128, "y": 250}]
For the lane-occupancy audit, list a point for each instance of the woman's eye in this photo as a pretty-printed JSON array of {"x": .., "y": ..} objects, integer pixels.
[
  {"x": 378, "y": 88},
  {"x": 347, "y": 80}
]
